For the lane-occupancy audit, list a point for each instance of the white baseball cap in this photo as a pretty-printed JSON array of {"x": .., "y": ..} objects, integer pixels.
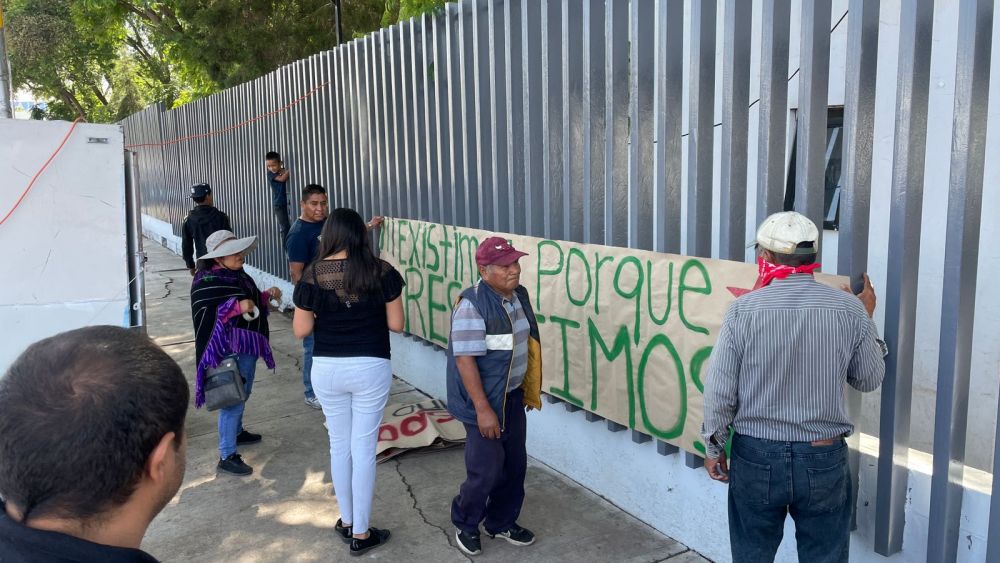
[{"x": 783, "y": 232}]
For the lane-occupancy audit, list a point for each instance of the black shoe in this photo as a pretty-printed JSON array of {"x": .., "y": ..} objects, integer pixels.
[
  {"x": 246, "y": 437},
  {"x": 516, "y": 535},
  {"x": 469, "y": 543},
  {"x": 376, "y": 537},
  {"x": 234, "y": 465},
  {"x": 342, "y": 531}
]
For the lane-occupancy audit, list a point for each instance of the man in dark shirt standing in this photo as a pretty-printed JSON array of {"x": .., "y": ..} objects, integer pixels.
[
  {"x": 302, "y": 246},
  {"x": 78, "y": 484},
  {"x": 277, "y": 178},
  {"x": 201, "y": 222}
]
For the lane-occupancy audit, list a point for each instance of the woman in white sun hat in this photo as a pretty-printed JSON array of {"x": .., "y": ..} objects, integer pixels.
[{"x": 230, "y": 317}]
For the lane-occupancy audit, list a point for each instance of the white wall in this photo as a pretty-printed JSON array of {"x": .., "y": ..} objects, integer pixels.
[{"x": 63, "y": 250}]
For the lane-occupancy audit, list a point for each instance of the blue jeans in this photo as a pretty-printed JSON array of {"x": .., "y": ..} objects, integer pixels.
[
  {"x": 307, "y": 365},
  {"x": 231, "y": 418},
  {"x": 769, "y": 479}
]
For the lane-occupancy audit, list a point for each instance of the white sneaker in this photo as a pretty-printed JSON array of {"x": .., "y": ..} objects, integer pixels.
[{"x": 314, "y": 403}]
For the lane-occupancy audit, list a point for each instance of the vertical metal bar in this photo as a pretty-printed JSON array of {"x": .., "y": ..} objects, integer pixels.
[
  {"x": 552, "y": 187},
  {"x": 514, "y": 196},
  {"x": 701, "y": 128},
  {"x": 454, "y": 92},
  {"x": 481, "y": 78},
  {"x": 429, "y": 140},
  {"x": 773, "y": 108},
  {"x": 466, "y": 22},
  {"x": 855, "y": 204},
  {"x": 912, "y": 90},
  {"x": 993, "y": 530},
  {"x": 498, "y": 118},
  {"x": 961, "y": 258},
  {"x": 534, "y": 153},
  {"x": 642, "y": 41},
  {"x": 594, "y": 109},
  {"x": 617, "y": 219},
  {"x": 571, "y": 84},
  {"x": 735, "y": 125},
  {"x": 136, "y": 256},
  {"x": 415, "y": 111},
  {"x": 442, "y": 119},
  {"x": 667, "y": 122},
  {"x": 571, "y": 208},
  {"x": 814, "y": 78}
]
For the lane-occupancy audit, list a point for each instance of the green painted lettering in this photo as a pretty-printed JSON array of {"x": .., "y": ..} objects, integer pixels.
[
  {"x": 619, "y": 346},
  {"x": 677, "y": 429},
  {"x": 683, "y": 287},
  {"x": 635, "y": 293},
  {"x": 564, "y": 392},
  {"x": 569, "y": 286},
  {"x": 548, "y": 271},
  {"x": 432, "y": 306}
]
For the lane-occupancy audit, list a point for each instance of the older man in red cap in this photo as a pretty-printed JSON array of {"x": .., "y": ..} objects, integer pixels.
[{"x": 494, "y": 376}]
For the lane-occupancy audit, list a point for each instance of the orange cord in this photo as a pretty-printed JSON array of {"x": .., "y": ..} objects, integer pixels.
[
  {"x": 231, "y": 127},
  {"x": 40, "y": 170}
]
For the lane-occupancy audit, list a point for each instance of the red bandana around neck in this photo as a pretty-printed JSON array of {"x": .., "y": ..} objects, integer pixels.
[{"x": 768, "y": 272}]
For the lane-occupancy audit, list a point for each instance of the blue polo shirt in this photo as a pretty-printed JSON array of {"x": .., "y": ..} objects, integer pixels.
[{"x": 302, "y": 244}]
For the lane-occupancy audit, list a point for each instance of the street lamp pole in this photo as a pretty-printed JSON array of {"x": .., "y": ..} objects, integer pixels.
[
  {"x": 6, "y": 110},
  {"x": 337, "y": 17}
]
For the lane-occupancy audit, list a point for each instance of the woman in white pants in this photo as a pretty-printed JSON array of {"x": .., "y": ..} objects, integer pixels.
[{"x": 350, "y": 300}]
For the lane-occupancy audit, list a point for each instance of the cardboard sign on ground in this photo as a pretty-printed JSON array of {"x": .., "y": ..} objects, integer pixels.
[{"x": 418, "y": 425}]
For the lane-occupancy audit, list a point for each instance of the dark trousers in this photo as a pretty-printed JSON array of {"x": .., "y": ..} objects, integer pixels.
[
  {"x": 770, "y": 479},
  {"x": 493, "y": 491},
  {"x": 281, "y": 214}
]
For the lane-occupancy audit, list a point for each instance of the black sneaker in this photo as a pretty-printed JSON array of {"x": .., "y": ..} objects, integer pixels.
[
  {"x": 246, "y": 437},
  {"x": 469, "y": 543},
  {"x": 234, "y": 465},
  {"x": 343, "y": 531},
  {"x": 516, "y": 535},
  {"x": 376, "y": 537}
]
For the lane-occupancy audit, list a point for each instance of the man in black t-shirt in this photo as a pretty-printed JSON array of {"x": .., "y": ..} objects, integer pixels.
[
  {"x": 79, "y": 486},
  {"x": 201, "y": 222}
]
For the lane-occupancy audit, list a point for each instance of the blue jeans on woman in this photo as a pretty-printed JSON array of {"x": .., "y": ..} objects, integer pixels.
[
  {"x": 231, "y": 418},
  {"x": 769, "y": 479}
]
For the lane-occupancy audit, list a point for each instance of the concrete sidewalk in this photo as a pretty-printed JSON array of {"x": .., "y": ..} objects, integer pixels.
[{"x": 286, "y": 510}]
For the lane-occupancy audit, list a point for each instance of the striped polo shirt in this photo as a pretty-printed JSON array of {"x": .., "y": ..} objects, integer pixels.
[
  {"x": 782, "y": 358},
  {"x": 469, "y": 338}
]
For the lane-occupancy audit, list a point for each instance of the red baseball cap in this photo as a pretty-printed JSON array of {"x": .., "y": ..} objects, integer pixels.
[{"x": 496, "y": 250}]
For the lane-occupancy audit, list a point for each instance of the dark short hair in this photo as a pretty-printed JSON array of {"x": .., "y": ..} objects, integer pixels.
[
  {"x": 796, "y": 260},
  {"x": 312, "y": 189},
  {"x": 271, "y": 155},
  {"x": 199, "y": 200},
  {"x": 82, "y": 412}
]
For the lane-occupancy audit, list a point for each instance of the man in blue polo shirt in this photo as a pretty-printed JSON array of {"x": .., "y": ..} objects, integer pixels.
[{"x": 302, "y": 247}]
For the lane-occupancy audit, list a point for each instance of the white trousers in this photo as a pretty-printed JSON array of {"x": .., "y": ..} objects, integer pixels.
[{"x": 353, "y": 393}]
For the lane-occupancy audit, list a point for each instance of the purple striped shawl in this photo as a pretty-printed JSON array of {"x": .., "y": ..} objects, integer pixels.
[{"x": 227, "y": 339}]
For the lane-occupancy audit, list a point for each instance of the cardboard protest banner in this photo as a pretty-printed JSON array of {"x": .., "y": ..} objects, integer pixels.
[
  {"x": 625, "y": 333},
  {"x": 417, "y": 425}
]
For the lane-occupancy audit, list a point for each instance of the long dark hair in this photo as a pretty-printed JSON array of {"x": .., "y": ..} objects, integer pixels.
[{"x": 345, "y": 230}]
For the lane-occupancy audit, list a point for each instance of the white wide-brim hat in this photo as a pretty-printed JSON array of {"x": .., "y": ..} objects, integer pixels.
[{"x": 225, "y": 243}]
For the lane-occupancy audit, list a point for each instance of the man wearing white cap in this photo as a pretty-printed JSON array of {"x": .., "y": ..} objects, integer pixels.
[{"x": 775, "y": 395}]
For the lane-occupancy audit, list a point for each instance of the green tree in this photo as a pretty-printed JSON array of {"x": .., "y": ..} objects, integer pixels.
[{"x": 105, "y": 59}]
